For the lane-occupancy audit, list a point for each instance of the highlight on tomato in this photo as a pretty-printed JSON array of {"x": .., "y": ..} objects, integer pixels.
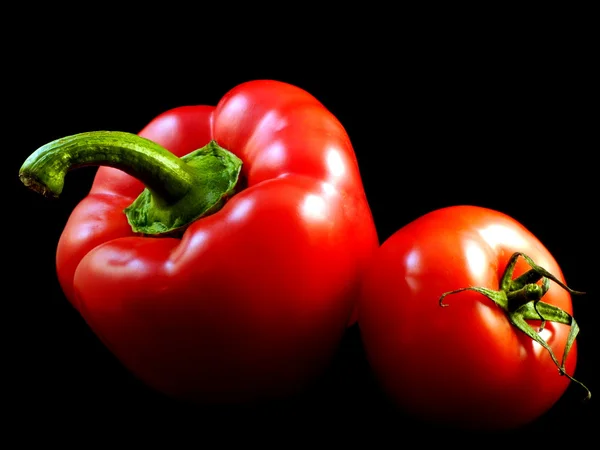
[{"x": 466, "y": 320}]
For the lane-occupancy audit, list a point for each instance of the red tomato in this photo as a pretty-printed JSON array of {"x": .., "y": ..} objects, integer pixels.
[{"x": 465, "y": 364}]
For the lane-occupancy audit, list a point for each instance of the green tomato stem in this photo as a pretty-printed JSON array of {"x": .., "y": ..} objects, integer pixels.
[
  {"x": 521, "y": 300},
  {"x": 178, "y": 190}
]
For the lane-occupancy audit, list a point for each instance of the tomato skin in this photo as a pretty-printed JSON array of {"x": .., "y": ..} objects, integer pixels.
[{"x": 463, "y": 364}]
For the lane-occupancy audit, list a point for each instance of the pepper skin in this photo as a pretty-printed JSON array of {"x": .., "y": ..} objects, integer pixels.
[{"x": 251, "y": 301}]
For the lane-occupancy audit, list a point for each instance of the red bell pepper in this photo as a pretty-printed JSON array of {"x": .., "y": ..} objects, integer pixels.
[{"x": 227, "y": 273}]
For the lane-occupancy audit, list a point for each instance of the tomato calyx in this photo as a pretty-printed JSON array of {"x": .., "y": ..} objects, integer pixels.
[{"x": 520, "y": 298}]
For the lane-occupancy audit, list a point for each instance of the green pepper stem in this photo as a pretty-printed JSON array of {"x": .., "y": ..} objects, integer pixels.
[
  {"x": 160, "y": 170},
  {"x": 178, "y": 190}
]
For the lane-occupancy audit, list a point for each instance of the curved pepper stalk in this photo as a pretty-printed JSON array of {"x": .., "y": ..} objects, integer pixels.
[{"x": 178, "y": 190}]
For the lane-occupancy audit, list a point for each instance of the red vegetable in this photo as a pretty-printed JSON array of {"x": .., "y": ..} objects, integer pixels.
[
  {"x": 483, "y": 360},
  {"x": 233, "y": 275}
]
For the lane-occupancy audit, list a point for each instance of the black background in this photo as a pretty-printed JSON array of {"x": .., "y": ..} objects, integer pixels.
[{"x": 508, "y": 127}]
